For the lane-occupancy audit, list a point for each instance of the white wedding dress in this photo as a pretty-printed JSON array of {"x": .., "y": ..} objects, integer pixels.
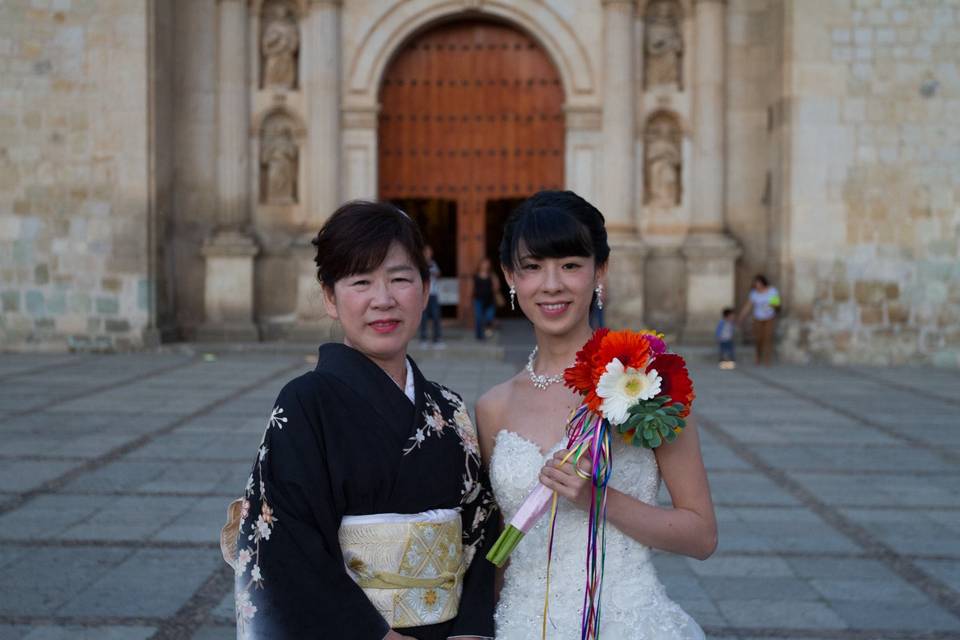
[{"x": 634, "y": 603}]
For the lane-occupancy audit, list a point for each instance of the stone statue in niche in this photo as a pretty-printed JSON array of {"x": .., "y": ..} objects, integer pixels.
[
  {"x": 279, "y": 44},
  {"x": 663, "y": 162},
  {"x": 663, "y": 44},
  {"x": 279, "y": 161}
]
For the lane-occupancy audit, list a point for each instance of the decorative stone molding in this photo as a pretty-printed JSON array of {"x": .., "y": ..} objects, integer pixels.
[
  {"x": 583, "y": 118},
  {"x": 359, "y": 117},
  {"x": 403, "y": 19}
]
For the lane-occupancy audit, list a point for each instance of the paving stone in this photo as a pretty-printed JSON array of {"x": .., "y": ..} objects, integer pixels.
[
  {"x": 14, "y": 632},
  {"x": 89, "y": 633},
  {"x": 755, "y": 588},
  {"x": 215, "y": 633},
  {"x": 891, "y": 590},
  {"x": 150, "y": 582},
  {"x": 782, "y": 614},
  {"x": 889, "y": 616},
  {"x": 741, "y": 567},
  {"x": 39, "y": 583},
  {"x": 48, "y": 516}
]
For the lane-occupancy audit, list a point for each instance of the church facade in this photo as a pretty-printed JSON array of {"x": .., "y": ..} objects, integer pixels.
[{"x": 165, "y": 163}]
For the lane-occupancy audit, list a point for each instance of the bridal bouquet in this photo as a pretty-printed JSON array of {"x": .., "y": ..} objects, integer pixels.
[{"x": 630, "y": 383}]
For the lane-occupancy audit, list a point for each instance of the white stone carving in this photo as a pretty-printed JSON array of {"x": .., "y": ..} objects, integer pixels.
[
  {"x": 663, "y": 44},
  {"x": 279, "y": 45}
]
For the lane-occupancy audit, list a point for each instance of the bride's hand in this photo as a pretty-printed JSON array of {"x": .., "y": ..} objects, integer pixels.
[{"x": 562, "y": 478}]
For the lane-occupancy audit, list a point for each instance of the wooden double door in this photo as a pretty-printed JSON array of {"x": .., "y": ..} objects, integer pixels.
[{"x": 471, "y": 123}]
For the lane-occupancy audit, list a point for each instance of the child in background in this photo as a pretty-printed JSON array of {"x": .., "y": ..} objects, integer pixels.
[{"x": 725, "y": 339}]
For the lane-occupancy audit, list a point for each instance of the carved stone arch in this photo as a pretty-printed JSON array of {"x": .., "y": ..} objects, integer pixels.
[
  {"x": 300, "y": 126},
  {"x": 663, "y": 160},
  {"x": 405, "y": 19},
  {"x": 280, "y": 136}
]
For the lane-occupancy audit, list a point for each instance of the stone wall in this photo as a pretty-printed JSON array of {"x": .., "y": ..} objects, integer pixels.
[
  {"x": 754, "y": 85},
  {"x": 73, "y": 173},
  {"x": 872, "y": 214}
]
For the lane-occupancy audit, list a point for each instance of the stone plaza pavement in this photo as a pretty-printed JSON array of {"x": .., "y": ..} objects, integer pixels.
[{"x": 837, "y": 492}]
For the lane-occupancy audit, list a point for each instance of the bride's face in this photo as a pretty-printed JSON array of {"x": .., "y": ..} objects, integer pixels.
[{"x": 555, "y": 293}]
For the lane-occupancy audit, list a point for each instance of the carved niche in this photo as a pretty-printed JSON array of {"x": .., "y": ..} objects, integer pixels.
[
  {"x": 279, "y": 160},
  {"x": 663, "y": 44},
  {"x": 279, "y": 46},
  {"x": 662, "y": 161}
]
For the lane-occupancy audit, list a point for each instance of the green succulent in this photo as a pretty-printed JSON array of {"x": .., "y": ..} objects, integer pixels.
[{"x": 651, "y": 422}]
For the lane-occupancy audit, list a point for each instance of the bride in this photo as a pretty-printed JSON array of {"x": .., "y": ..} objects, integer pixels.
[{"x": 554, "y": 255}]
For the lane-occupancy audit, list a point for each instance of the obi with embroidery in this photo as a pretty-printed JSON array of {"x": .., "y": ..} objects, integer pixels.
[{"x": 410, "y": 566}]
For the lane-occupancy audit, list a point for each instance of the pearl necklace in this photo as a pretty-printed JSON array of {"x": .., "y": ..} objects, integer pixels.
[{"x": 540, "y": 382}]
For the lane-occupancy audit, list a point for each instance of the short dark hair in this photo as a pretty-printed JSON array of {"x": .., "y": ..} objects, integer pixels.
[
  {"x": 762, "y": 279},
  {"x": 727, "y": 311},
  {"x": 357, "y": 238},
  {"x": 554, "y": 224}
]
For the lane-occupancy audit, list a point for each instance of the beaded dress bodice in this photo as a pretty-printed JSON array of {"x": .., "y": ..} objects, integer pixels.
[{"x": 635, "y": 605}]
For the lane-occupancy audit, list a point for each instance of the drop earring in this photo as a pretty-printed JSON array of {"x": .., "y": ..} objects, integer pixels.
[
  {"x": 513, "y": 298},
  {"x": 599, "y": 292}
]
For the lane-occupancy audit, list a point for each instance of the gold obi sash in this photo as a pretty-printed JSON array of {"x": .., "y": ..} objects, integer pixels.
[{"x": 410, "y": 566}]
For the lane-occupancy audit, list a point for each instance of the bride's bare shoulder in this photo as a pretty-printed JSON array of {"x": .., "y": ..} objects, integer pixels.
[{"x": 490, "y": 405}]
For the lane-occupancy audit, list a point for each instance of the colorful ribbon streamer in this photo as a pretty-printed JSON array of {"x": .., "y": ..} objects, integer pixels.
[{"x": 589, "y": 434}]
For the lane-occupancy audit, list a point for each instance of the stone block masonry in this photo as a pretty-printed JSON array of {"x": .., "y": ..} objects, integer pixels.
[
  {"x": 73, "y": 173},
  {"x": 876, "y": 236}
]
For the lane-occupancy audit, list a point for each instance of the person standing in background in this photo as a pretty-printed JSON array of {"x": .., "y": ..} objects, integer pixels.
[
  {"x": 725, "y": 329},
  {"x": 431, "y": 313},
  {"x": 764, "y": 303},
  {"x": 485, "y": 290}
]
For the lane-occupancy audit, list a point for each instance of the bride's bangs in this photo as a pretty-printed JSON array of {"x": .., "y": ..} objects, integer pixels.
[{"x": 550, "y": 232}]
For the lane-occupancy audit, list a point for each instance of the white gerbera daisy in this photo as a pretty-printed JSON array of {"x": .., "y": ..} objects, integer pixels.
[{"x": 622, "y": 387}]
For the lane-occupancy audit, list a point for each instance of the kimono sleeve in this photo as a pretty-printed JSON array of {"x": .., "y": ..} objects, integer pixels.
[
  {"x": 291, "y": 581},
  {"x": 475, "y": 615}
]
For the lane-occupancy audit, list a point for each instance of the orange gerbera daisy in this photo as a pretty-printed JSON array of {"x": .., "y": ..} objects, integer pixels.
[
  {"x": 631, "y": 348},
  {"x": 580, "y": 377}
]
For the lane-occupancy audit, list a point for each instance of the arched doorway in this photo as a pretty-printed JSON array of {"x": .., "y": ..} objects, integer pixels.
[{"x": 471, "y": 122}]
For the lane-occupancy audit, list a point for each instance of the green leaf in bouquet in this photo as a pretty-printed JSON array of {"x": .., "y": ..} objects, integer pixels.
[
  {"x": 671, "y": 435},
  {"x": 654, "y": 441},
  {"x": 664, "y": 429}
]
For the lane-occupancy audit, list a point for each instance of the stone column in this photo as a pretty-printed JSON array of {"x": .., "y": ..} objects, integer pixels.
[
  {"x": 230, "y": 251},
  {"x": 625, "y": 276},
  {"x": 321, "y": 59},
  {"x": 709, "y": 251}
]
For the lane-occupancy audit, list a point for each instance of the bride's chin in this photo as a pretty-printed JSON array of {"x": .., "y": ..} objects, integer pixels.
[{"x": 559, "y": 327}]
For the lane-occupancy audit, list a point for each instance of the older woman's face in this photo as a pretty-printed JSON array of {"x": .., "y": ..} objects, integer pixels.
[{"x": 380, "y": 310}]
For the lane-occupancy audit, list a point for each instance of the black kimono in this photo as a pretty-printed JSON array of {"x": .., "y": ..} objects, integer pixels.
[{"x": 343, "y": 440}]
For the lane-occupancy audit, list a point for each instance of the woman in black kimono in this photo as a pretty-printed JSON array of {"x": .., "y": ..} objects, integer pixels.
[{"x": 327, "y": 547}]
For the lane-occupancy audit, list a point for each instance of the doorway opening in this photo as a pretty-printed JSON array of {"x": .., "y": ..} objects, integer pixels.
[{"x": 437, "y": 220}]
